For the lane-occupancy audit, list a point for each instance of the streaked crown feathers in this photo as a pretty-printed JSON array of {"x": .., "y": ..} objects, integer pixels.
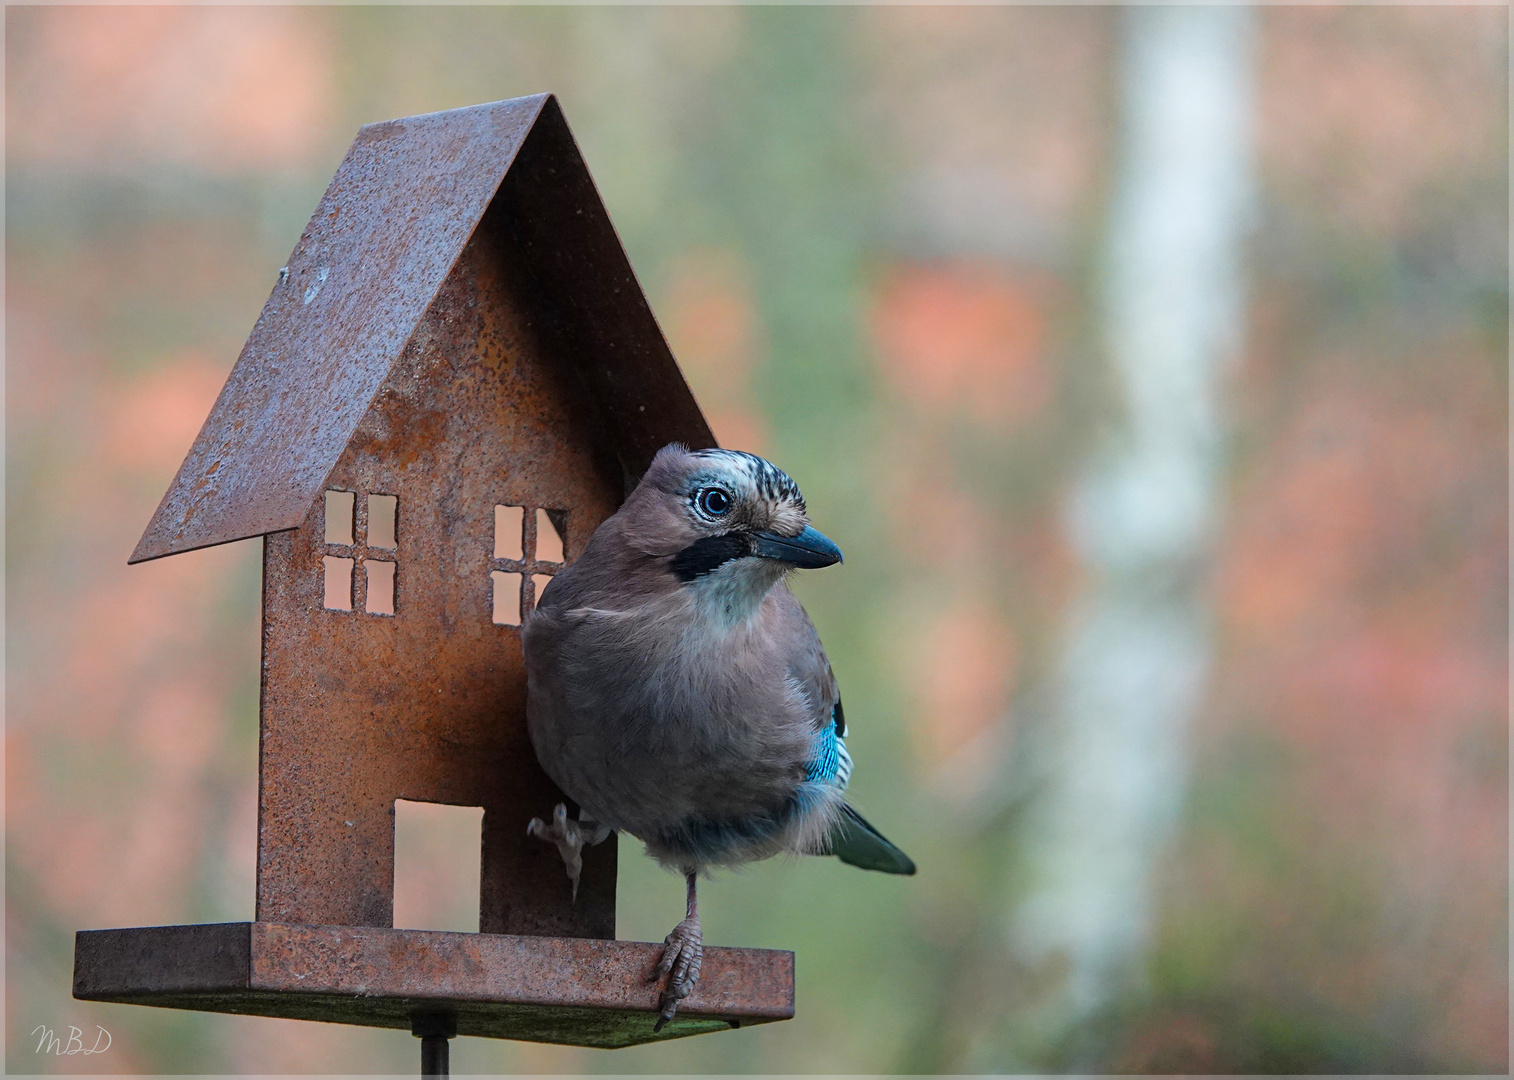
[{"x": 756, "y": 485}]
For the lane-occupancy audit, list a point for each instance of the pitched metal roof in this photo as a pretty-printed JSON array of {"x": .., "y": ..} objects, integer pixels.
[{"x": 393, "y": 221}]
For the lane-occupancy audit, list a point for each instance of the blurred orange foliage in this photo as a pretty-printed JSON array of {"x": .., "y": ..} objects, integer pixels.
[
  {"x": 224, "y": 90},
  {"x": 967, "y": 669},
  {"x": 964, "y": 337},
  {"x": 711, "y": 325}
]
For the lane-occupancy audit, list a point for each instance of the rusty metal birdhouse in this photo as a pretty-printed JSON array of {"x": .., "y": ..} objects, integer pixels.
[{"x": 455, "y": 380}]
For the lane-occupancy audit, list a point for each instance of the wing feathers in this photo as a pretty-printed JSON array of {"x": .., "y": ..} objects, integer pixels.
[{"x": 856, "y": 842}]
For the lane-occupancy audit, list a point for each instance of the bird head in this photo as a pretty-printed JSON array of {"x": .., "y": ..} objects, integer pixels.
[{"x": 726, "y": 513}]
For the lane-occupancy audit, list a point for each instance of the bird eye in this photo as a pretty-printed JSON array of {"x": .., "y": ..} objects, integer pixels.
[{"x": 715, "y": 502}]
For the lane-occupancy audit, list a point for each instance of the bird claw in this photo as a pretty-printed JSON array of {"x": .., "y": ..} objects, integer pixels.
[
  {"x": 570, "y": 836},
  {"x": 682, "y": 955}
]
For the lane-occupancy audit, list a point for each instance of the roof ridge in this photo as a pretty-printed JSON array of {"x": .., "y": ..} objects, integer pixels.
[{"x": 384, "y": 238}]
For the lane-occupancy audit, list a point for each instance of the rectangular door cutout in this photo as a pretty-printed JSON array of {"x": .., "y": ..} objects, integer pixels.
[
  {"x": 549, "y": 539},
  {"x": 338, "y": 582},
  {"x": 506, "y": 598},
  {"x": 382, "y": 510},
  {"x": 380, "y": 587},
  {"x": 339, "y": 507},
  {"x": 509, "y": 532},
  {"x": 437, "y": 854}
]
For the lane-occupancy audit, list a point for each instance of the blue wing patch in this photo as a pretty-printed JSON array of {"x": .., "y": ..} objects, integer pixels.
[{"x": 831, "y": 763}]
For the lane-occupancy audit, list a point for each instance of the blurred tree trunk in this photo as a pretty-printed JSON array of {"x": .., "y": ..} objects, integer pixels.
[{"x": 1144, "y": 516}]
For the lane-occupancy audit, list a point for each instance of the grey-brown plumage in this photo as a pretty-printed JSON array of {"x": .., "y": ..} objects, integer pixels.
[{"x": 678, "y": 691}]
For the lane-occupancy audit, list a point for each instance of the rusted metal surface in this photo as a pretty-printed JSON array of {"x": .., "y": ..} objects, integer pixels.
[
  {"x": 401, "y": 207},
  {"x": 590, "y": 294},
  {"x": 583, "y": 992},
  {"x": 429, "y": 704},
  {"x": 459, "y": 329}
]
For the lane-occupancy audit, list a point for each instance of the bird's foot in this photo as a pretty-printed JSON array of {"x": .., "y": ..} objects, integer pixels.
[
  {"x": 571, "y": 837},
  {"x": 681, "y": 956}
]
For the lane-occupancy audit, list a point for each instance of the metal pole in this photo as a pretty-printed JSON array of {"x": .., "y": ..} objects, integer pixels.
[
  {"x": 434, "y": 1061},
  {"x": 434, "y": 1030}
]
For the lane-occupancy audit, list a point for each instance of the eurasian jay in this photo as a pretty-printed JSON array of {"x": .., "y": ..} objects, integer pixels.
[{"x": 677, "y": 691}]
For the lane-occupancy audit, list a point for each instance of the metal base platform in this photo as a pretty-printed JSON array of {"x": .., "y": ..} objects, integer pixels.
[{"x": 575, "y": 991}]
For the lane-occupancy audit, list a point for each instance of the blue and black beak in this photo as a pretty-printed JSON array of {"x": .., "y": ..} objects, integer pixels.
[{"x": 810, "y": 550}]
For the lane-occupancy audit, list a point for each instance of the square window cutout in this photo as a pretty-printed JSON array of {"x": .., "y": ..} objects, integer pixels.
[
  {"x": 506, "y": 598},
  {"x": 382, "y": 511},
  {"x": 380, "y": 587},
  {"x": 509, "y": 532},
  {"x": 338, "y": 582},
  {"x": 437, "y": 865},
  {"x": 339, "y": 507},
  {"x": 549, "y": 535}
]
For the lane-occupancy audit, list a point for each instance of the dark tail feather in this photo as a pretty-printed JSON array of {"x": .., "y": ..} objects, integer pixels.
[{"x": 856, "y": 842}]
